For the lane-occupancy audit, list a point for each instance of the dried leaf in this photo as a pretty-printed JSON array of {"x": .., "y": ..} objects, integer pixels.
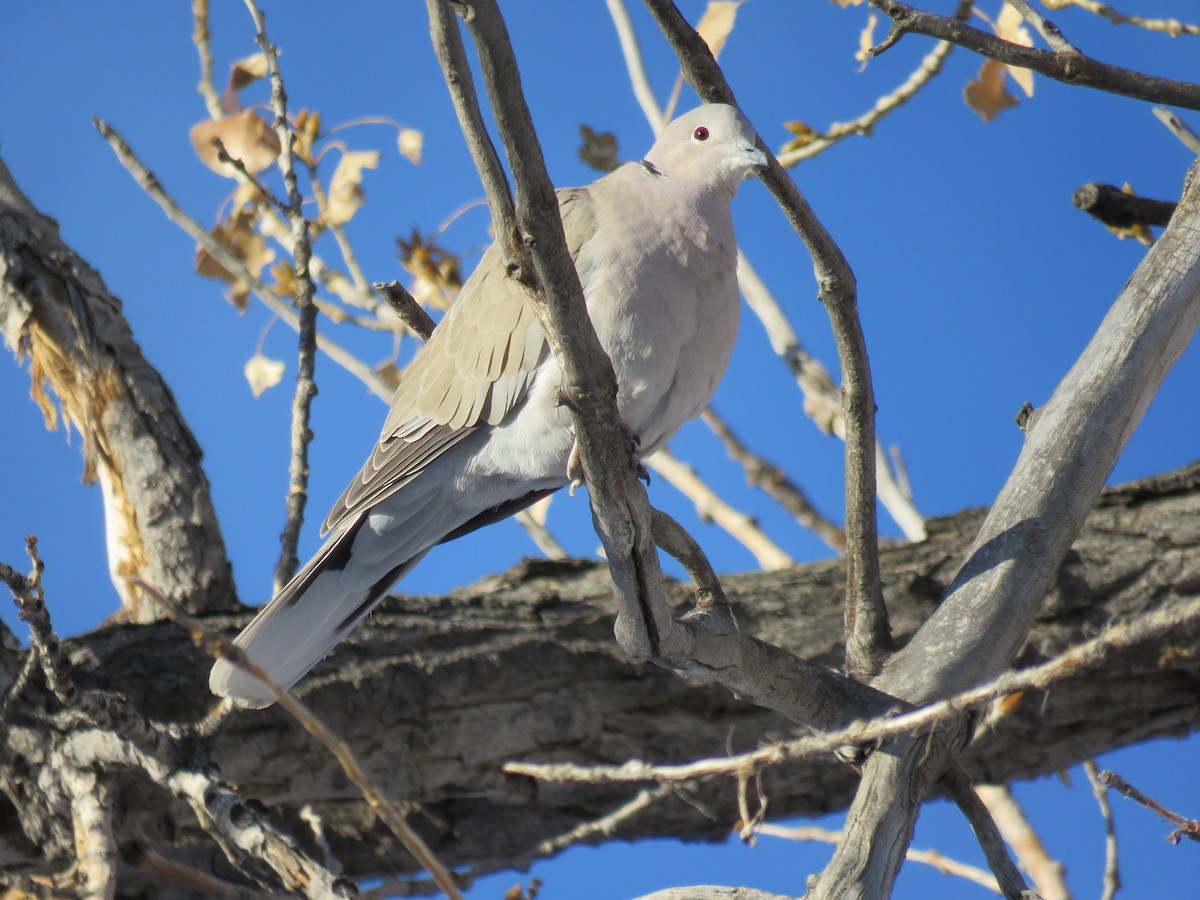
[
  {"x": 389, "y": 374},
  {"x": 988, "y": 94},
  {"x": 717, "y": 23},
  {"x": 263, "y": 373},
  {"x": 345, "y": 188},
  {"x": 410, "y": 143},
  {"x": 307, "y": 129},
  {"x": 599, "y": 150},
  {"x": 239, "y": 237},
  {"x": 1010, "y": 26},
  {"x": 247, "y": 70},
  {"x": 438, "y": 278},
  {"x": 844, "y": 3},
  {"x": 285, "y": 284},
  {"x": 804, "y": 135},
  {"x": 246, "y": 137},
  {"x": 866, "y": 40},
  {"x": 244, "y": 71}
]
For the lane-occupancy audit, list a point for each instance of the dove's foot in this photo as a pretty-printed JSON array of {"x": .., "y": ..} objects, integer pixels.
[{"x": 633, "y": 444}]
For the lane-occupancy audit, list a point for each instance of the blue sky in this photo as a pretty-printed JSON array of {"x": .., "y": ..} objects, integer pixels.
[{"x": 978, "y": 284}]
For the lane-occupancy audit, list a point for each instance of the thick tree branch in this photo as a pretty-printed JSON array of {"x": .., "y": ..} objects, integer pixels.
[
  {"x": 523, "y": 666},
  {"x": 1117, "y": 209},
  {"x": 56, "y": 311},
  {"x": 1071, "y": 446}
]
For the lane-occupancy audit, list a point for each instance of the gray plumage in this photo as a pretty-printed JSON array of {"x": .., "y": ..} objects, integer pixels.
[{"x": 474, "y": 432}]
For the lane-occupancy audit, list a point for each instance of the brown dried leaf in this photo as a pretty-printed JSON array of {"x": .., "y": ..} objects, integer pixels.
[
  {"x": 988, "y": 94},
  {"x": 246, "y": 137},
  {"x": 598, "y": 150},
  {"x": 307, "y": 129},
  {"x": 247, "y": 70},
  {"x": 717, "y": 23},
  {"x": 244, "y": 71},
  {"x": 263, "y": 373},
  {"x": 240, "y": 238},
  {"x": 410, "y": 143},
  {"x": 438, "y": 276},
  {"x": 345, "y": 188},
  {"x": 389, "y": 373},
  {"x": 285, "y": 284}
]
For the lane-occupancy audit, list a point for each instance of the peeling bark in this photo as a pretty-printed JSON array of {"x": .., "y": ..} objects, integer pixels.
[{"x": 158, "y": 514}]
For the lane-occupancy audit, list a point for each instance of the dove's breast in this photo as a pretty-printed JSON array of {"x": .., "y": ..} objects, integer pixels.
[{"x": 665, "y": 306}]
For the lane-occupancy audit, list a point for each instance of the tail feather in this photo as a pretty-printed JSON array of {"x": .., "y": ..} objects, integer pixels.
[{"x": 303, "y": 623}]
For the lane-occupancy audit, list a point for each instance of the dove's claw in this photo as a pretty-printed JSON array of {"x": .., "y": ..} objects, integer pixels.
[{"x": 574, "y": 469}]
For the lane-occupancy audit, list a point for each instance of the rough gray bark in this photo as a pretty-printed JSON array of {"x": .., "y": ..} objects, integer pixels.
[
  {"x": 436, "y": 693},
  {"x": 55, "y": 310}
]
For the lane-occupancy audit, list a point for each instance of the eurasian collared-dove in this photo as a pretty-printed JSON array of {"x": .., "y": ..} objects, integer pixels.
[{"x": 474, "y": 432}]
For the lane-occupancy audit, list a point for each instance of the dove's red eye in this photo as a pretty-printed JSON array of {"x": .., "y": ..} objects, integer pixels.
[{"x": 700, "y": 134}]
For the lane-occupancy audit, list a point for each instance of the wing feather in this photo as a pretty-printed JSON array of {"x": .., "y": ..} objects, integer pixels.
[{"x": 474, "y": 370}]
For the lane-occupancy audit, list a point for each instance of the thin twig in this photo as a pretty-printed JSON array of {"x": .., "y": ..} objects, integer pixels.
[
  {"x": 405, "y": 305},
  {"x": 773, "y": 481},
  {"x": 1014, "y": 826},
  {"x": 21, "y": 681},
  {"x": 1050, "y": 32},
  {"x": 1073, "y": 661},
  {"x": 1172, "y": 27},
  {"x": 31, "y": 609},
  {"x": 822, "y": 398},
  {"x": 868, "y": 634},
  {"x": 943, "y": 864},
  {"x": 1069, "y": 68},
  {"x": 306, "y": 385},
  {"x": 1179, "y": 128},
  {"x": 633, "y": 63},
  {"x": 1008, "y": 876},
  {"x": 391, "y": 815},
  {"x": 1184, "y": 828},
  {"x": 203, "y": 41},
  {"x": 226, "y": 259},
  {"x": 710, "y": 506},
  {"x": 1112, "y": 872},
  {"x": 925, "y": 71}
]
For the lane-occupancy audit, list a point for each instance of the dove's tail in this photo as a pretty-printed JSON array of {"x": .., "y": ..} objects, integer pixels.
[{"x": 307, "y": 618}]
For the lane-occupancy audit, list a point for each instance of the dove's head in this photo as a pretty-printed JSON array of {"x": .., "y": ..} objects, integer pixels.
[{"x": 713, "y": 145}]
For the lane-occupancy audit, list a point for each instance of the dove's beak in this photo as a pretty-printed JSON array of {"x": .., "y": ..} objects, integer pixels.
[{"x": 756, "y": 160}]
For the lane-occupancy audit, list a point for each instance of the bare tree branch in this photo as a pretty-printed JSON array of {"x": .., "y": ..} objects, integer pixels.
[
  {"x": 1112, "y": 873},
  {"x": 1172, "y": 27},
  {"x": 1066, "y": 66},
  {"x": 1117, "y": 209},
  {"x": 306, "y": 385}
]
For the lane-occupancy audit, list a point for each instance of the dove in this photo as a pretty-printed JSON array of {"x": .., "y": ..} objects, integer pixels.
[{"x": 476, "y": 432}]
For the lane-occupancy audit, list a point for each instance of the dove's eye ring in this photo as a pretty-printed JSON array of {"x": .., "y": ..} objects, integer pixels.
[{"x": 700, "y": 134}]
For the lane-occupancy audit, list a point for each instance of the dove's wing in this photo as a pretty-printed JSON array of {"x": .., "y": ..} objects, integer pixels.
[{"x": 474, "y": 370}]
